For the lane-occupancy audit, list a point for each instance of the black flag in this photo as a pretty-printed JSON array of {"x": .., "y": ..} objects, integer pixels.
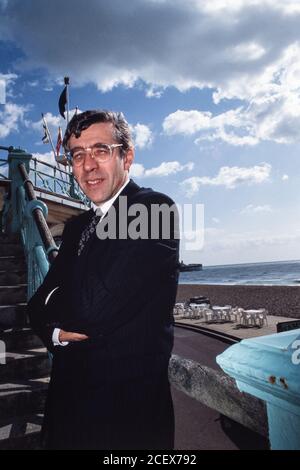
[
  {"x": 62, "y": 102},
  {"x": 64, "y": 98}
]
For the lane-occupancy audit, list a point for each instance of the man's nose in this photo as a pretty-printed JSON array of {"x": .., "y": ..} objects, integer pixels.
[{"x": 89, "y": 162}]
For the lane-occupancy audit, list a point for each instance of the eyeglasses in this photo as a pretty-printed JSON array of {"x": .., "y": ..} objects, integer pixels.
[{"x": 100, "y": 152}]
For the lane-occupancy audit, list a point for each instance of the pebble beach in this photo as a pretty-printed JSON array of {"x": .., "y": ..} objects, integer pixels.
[{"x": 278, "y": 300}]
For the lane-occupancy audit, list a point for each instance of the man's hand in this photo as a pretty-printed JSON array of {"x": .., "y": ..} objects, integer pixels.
[{"x": 69, "y": 336}]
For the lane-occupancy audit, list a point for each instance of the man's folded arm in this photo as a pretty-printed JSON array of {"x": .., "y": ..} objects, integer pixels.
[
  {"x": 139, "y": 266},
  {"x": 138, "y": 269}
]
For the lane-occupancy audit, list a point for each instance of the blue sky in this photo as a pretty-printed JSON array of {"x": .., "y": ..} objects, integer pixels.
[{"x": 211, "y": 90}]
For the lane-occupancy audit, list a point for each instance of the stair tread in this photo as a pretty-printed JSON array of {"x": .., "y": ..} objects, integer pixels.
[
  {"x": 25, "y": 376},
  {"x": 13, "y": 286},
  {"x": 20, "y": 427},
  {"x": 24, "y": 353},
  {"x": 23, "y": 386},
  {"x": 17, "y": 304},
  {"x": 16, "y": 271}
]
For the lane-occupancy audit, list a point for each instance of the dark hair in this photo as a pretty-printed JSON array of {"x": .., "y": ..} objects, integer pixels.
[{"x": 82, "y": 121}]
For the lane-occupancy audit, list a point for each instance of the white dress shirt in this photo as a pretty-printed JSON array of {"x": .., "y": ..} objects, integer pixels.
[{"x": 105, "y": 206}]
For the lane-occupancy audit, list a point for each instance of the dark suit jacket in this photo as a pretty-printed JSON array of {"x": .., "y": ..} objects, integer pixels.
[{"x": 121, "y": 293}]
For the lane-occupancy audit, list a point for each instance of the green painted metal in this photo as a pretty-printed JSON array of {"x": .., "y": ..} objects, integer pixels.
[
  {"x": 19, "y": 219},
  {"x": 54, "y": 179},
  {"x": 36, "y": 258},
  {"x": 268, "y": 367},
  {"x": 17, "y": 214},
  {"x": 15, "y": 157},
  {"x": 3, "y": 164}
]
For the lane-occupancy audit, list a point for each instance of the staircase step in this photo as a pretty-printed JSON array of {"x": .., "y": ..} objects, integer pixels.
[
  {"x": 33, "y": 363},
  {"x": 7, "y": 249},
  {"x": 12, "y": 263},
  {"x": 13, "y": 316},
  {"x": 13, "y": 294},
  {"x": 10, "y": 238},
  {"x": 20, "y": 398},
  {"x": 12, "y": 278},
  {"x": 22, "y": 339},
  {"x": 21, "y": 433}
]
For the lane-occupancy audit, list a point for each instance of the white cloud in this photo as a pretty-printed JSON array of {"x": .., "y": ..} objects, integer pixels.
[
  {"x": 164, "y": 169},
  {"x": 142, "y": 135},
  {"x": 2, "y": 91},
  {"x": 251, "y": 209},
  {"x": 285, "y": 177},
  {"x": 268, "y": 119},
  {"x": 53, "y": 123},
  {"x": 137, "y": 170},
  {"x": 154, "y": 91},
  {"x": 46, "y": 157},
  {"x": 210, "y": 32},
  {"x": 234, "y": 127},
  {"x": 215, "y": 220},
  {"x": 186, "y": 122},
  {"x": 246, "y": 52},
  {"x": 232, "y": 48},
  {"x": 230, "y": 177},
  {"x": 221, "y": 239},
  {"x": 11, "y": 117}
]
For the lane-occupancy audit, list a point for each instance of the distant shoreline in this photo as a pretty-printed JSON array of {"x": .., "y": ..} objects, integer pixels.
[
  {"x": 295, "y": 283},
  {"x": 277, "y": 299}
]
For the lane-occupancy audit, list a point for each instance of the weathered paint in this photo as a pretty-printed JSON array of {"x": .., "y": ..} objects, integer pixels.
[{"x": 268, "y": 367}]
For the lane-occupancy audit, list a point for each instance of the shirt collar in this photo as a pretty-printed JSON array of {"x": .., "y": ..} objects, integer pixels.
[{"x": 105, "y": 206}]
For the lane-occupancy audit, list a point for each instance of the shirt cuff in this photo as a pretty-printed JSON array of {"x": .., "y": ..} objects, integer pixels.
[{"x": 55, "y": 338}]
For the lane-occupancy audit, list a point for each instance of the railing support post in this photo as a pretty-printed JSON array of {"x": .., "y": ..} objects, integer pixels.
[
  {"x": 72, "y": 186},
  {"x": 268, "y": 367},
  {"x": 15, "y": 157}
]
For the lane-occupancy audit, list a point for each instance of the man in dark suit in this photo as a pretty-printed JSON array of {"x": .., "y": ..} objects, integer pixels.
[{"x": 105, "y": 307}]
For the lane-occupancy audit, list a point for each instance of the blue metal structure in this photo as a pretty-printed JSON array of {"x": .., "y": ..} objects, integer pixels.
[
  {"x": 17, "y": 215},
  {"x": 268, "y": 367}
]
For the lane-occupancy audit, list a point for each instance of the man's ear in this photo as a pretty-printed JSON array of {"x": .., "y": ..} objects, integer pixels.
[{"x": 128, "y": 159}]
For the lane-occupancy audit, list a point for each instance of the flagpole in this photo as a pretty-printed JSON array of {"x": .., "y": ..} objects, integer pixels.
[
  {"x": 67, "y": 83},
  {"x": 51, "y": 143},
  {"x": 71, "y": 176},
  {"x": 49, "y": 135}
]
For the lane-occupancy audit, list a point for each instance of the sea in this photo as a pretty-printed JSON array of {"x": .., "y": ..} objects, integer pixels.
[{"x": 279, "y": 273}]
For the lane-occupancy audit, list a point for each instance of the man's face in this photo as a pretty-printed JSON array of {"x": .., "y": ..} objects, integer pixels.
[{"x": 100, "y": 181}]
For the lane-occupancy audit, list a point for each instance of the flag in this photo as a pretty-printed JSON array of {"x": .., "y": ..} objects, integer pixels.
[
  {"x": 62, "y": 102},
  {"x": 59, "y": 141},
  {"x": 45, "y": 139},
  {"x": 63, "y": 99}
]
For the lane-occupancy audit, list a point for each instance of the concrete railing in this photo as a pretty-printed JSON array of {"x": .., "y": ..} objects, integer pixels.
[{"x": 219, "y": 392}]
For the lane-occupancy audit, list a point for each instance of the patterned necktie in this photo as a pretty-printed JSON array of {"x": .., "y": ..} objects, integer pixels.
[{"x": 89, "y": 230}]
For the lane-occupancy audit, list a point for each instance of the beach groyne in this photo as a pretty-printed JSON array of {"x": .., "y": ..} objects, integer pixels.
[{"x": 278, "y": 300}]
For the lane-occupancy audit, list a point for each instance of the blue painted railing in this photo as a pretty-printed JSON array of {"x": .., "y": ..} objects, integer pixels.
[
  {"x": 56, "y": 180},
  {"x": 3, "y": 164},
  {"x": 26, "y": 215},
  {"x": 35, "y": 252}
]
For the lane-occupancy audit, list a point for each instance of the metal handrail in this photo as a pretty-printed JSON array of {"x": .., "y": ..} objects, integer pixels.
[
  {"x": 39, "y": 245},
  {"x": 38, "y": 215},
  {"x": 3, "y": 162}
]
